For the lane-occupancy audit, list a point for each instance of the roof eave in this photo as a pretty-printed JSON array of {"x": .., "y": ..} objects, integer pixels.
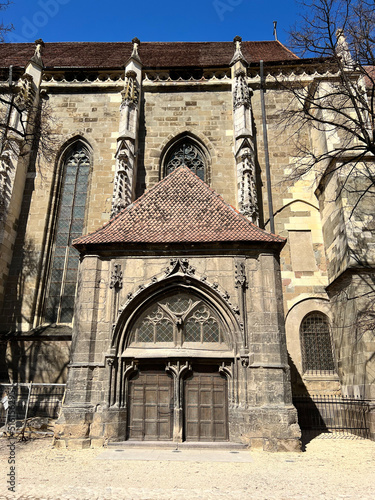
[{"x": 128, "y": 248}]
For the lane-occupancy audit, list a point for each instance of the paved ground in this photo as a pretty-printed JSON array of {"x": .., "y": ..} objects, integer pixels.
[{"x": 329, "y": 469}]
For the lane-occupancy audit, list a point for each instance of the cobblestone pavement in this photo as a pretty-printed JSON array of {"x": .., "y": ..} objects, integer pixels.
[{"x": 329, "y": 469}]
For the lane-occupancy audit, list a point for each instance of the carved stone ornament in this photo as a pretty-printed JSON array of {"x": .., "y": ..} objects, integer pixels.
[
  {"x": 179, "y": 265},
  {"x": 130, "y": 94},
  {"x": 240, "y": 276},
  {"x": 245, "y": 362},
  {"x": 226, "y": 369},
  {"x": 5, "y": 163},
  {"x": 121, "y": 190},
  {"x": 37, "y": 57},
  {"x": 238, "y": 56},
  {"x": 136, "y": 43},
  {"x": 116, "y": 278},
  {"x": 25, "y": 91},
  {"x": 248, "y": 198},
  {"x": 242, "y": 93}
]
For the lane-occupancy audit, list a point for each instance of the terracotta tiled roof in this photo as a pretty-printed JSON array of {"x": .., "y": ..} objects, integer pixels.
[
  {"x": 179, "y": 209},
  {"x": 152, "y": 54}
]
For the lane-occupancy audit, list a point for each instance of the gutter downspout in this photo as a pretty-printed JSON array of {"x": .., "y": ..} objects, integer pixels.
[{"x": 266, "y": 153}]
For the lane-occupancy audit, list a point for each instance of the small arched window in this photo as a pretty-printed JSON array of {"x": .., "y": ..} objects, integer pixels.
[
  {"x": 69, "y": 225},
  {"x": 186, "y": 152},
  {"x": 316, "y": 343},
  {"x": 179, "y": 320}
]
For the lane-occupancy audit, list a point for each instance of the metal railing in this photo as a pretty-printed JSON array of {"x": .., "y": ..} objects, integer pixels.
[
  {"x": 24, "y": 401},
  {"x": 333, "y": 414}
]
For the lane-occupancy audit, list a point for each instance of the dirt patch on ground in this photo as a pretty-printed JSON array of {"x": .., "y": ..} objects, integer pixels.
[{"x": 328, "y": 469}]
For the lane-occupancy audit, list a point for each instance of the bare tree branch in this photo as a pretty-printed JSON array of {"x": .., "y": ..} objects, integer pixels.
[
  {"x": 338, "y": 101},
  {"x": 5, "y": 28}
]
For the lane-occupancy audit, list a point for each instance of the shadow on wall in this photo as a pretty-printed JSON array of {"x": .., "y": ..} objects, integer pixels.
[
  {"x": 353, "y": 304},
  {"x": 44, "y": 359},
  {"x": 38, "y": 355},
  {"x": 307, "y": 410}
]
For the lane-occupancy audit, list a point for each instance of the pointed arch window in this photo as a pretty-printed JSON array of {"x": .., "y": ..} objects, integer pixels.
[
  {"x": 70, "y": 224},
  {"x": 186, "y": 152},
  {"x": 179, "y": 320},
  {"x": 316, "y": 343}
]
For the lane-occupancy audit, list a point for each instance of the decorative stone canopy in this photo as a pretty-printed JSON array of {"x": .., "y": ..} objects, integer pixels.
[{"x": 181, "y": 208}]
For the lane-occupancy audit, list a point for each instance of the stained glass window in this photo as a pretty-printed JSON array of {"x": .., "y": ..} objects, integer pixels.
[
  {"x": 316, "y": 343},
  {"x": 178, "y": 319},
  {"x": 186, "y": 153},
  {"x": 62, "y": 288}
]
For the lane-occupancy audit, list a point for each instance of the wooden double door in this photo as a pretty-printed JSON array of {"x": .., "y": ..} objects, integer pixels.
[{"x": 202, "y": 405}]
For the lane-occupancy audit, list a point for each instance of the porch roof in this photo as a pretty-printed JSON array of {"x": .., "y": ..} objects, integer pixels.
[{"x": 181, "y": 208}]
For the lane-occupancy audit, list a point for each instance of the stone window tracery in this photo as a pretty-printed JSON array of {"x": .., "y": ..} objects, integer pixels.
[
  {"x": 317, "y": 353},
  {"x": 187, "y": 153},
  {"x": 178, "y": 320},
  {"x": 70, "y": 222}
]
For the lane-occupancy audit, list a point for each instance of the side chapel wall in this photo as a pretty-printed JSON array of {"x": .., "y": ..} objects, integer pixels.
[{"x": 259, "y": 371}]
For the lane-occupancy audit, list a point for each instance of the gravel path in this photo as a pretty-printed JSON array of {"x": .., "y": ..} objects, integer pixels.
[{"x": 328, "y": 469}]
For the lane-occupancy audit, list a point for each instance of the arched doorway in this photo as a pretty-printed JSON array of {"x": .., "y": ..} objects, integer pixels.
[{"x": 178, "y": 390}]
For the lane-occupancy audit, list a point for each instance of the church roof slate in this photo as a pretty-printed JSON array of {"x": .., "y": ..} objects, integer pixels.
[
  {"x": 153, "y": 54},
  {"x": 181, "y": 208}
]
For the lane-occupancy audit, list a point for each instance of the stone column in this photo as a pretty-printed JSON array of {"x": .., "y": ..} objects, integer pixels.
[
  {"x": 127, "y": 142},
  {"x": 244, "y": 147},
  {"x": 178, "y": 369}
]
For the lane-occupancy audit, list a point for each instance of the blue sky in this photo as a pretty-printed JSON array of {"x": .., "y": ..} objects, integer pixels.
[{"x": 121, "y": 20}]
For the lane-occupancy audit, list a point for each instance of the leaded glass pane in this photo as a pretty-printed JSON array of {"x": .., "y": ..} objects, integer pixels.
[
  {"x": 69, "y": 225},
  {"x": 55, "y": 288},
  {"x": 60, "y": 252},
  {"x": 316, "y": 343},
  {"x": 188, "y": 154},
  {"x": 51, "y": 314},
  {"x": 62, "y": 239},
  {"x": 70, "y": 289},
  {"x": 57, "y": 275},
  {"x": 84, "y": 171},
  {"x": 177, "y": 319},
  {"x": 146, "y": 332},
  {"x": 71, "y": 275},
  {"x": 76, "y": 225},
  {"x": 192, "y": 331},
  {"x": 164, "y": 331},
  {"x": 80, "y": 202},
  {"x": 79, "y": 212},
  {"x": 178, "y": 304},
  {"x": 67, "y": 199},
  {"x": 69, "y": 189},
  {"x": 66, "y": 315},
  {"x": 65, "y": 212},
  {"x": 211, "y": 331},
  {"x": 64, "y": 225}
]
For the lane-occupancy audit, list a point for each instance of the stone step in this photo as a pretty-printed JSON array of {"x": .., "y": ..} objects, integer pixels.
[{"x": 186, "y": 445}]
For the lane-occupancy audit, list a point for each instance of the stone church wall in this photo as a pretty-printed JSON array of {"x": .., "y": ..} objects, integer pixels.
[{"x": 207, "y": 114}]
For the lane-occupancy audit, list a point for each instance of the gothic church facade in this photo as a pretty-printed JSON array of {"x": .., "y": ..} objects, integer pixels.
[{"x": 137, "y": 261}]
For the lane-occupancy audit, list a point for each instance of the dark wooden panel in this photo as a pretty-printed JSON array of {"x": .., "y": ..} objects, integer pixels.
[
  {"x": 150, "y": 406},
  {"x": 206, "y": 407}
]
